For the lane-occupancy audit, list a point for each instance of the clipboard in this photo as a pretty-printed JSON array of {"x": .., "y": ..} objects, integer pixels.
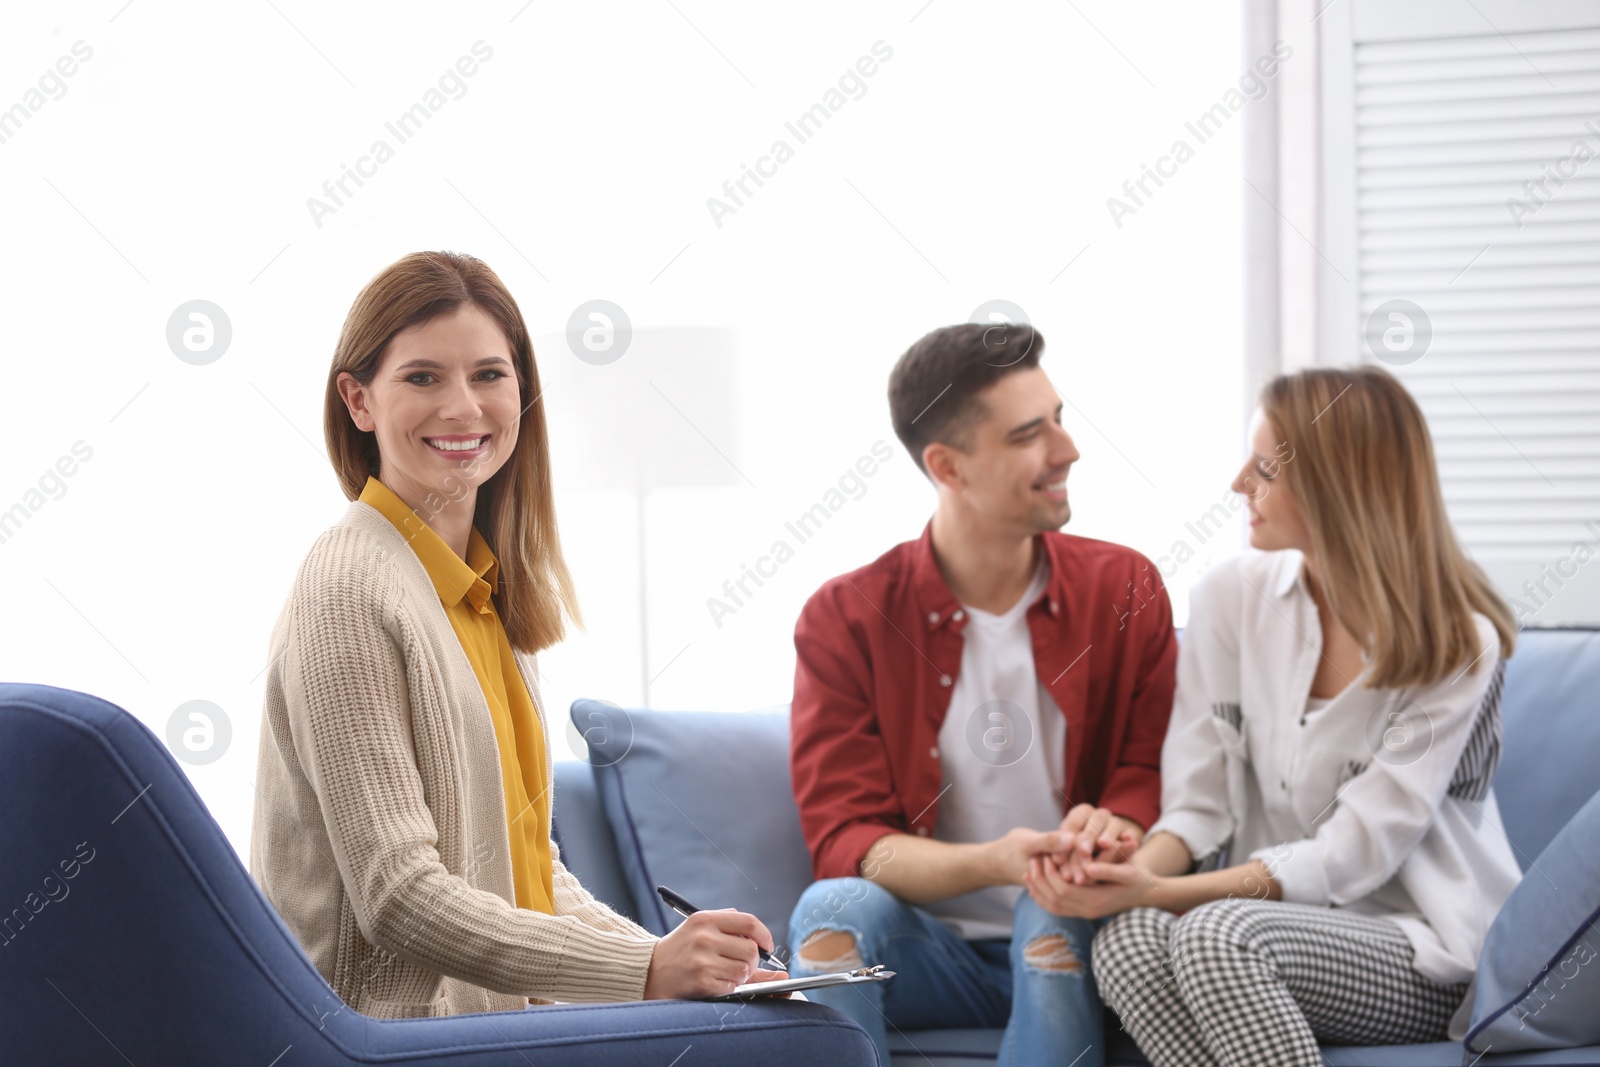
[{"x": 754, "y": 990}]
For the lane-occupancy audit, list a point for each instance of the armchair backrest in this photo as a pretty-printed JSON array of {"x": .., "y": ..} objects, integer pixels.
[{"x": 120, "y": 899}]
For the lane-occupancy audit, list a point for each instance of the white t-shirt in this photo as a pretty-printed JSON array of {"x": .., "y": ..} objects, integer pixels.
[{"x": 1002, "y": 751}]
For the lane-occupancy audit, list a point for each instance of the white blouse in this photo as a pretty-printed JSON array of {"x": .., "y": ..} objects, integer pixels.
[{"x": 1378, "y": 802}]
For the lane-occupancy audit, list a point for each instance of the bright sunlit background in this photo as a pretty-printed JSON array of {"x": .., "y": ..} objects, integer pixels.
[{"x": 974, "y": 164}]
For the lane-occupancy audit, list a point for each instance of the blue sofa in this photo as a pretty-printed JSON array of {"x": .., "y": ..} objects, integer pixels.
[
  {"x": 702, "y": 802},
  {"x": 158, "y": 948}
]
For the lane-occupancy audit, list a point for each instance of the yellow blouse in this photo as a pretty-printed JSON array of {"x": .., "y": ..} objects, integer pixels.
[{"x": 466, "y": 588}]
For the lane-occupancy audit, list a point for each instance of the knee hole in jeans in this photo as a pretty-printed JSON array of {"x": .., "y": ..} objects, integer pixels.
[
  {"x": 829, "y": 950},
  {"x": 1052, "y": 953}
]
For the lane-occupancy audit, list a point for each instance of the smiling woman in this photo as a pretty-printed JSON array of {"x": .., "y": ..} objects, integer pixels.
[
  {"x": 425, "y": 311},
  {"x": 403, "y": 823}
]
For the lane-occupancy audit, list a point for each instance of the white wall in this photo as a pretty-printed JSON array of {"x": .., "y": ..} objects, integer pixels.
[{"x": 177, "y": 163}]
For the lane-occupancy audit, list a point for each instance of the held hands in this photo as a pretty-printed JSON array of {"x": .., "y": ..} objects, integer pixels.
[
  {"x": 1086, "y": 833},
  {"x": 709, "y": 954},
  {"x": 1091, "y": 874},
  {"x": 1110, "y": 888},
  {"x": 1091, "y": 833},
  {"x": 1009, "y": 855}
]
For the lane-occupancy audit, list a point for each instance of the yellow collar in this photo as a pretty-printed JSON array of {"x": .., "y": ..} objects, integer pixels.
[{"x": 452, "y": 577}]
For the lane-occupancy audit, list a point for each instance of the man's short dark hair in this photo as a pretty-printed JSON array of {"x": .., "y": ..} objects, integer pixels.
[{"x": 934, "y": 388}]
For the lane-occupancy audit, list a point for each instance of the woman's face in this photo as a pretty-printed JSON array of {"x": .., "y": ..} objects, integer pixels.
[
  {"x": 445, "y": 406},
  {"x": 1275, "y": 519}
]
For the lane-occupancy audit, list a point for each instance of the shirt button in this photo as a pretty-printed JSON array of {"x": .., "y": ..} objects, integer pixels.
[
  {"x": 922, "y": 831},
  {"x": 1283, "y": 785},
  {"x": 934, "y": 751},
  {"x": 944, "y": 680},
  {"x": 934, "y": 617},
  {"x": 958, "y": 616}
]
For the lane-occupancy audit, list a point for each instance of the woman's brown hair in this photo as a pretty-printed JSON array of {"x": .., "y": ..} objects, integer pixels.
[
  {"x": 1387, "y": 560},
  {"x": 515, "y": 509}
]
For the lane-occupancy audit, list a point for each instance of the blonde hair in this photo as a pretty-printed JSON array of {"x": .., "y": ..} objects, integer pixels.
[
  {"x": 515, "y": 509},
  {"x": 1387, "y": 560}
]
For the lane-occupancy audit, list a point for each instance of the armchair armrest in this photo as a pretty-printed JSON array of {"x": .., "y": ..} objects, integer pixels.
[{"x": 649, "y": 1034}]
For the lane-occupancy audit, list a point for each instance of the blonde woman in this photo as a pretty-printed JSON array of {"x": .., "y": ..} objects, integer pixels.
[
  {"x": 1337, "y": 720},
  {"x": 403, "y": 825}
]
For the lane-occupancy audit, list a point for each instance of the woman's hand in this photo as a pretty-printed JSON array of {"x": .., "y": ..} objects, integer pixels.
[
  {"x": 1094, "y": 834},
  {"x": 709, "y": 954},
  {"x": 1112, "y": 888}
]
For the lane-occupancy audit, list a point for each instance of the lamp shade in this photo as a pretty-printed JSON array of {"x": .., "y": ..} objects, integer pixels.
[{"x": 664, "y": 414}]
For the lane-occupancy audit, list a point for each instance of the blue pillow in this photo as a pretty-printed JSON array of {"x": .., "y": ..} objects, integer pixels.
[
  {"x": 700, "y": 802},
  {"x": 1538, "y": 983}
]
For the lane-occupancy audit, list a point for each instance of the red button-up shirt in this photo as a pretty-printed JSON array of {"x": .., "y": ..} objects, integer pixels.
[{"x": 879, "y": 651}]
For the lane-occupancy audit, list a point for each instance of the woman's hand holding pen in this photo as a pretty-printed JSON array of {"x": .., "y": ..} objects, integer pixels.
[{"x": 708, "y": 955}]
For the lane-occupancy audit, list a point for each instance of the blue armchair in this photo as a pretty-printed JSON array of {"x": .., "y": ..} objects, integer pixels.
[{"x": 158, "y": 948}]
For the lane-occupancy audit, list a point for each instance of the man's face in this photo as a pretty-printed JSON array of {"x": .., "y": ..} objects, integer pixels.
[{"x": 1021, "y": 453}]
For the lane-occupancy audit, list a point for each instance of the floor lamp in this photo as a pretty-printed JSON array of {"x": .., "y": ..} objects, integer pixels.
[{"x": 663, "y": 415}]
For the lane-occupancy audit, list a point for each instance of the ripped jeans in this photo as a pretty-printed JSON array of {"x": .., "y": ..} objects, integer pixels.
[{"x": 1037, "y": 984}]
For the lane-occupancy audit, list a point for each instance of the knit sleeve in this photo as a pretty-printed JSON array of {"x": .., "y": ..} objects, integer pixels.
[
  {"x": 574, "y": 900},
  {"x": 346, "y": 671}
]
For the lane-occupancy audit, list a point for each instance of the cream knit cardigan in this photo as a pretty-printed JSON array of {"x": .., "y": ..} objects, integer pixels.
[{"x": 380, "y": 832}]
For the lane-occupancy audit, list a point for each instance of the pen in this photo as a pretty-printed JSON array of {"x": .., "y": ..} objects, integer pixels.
[{"x": 686, "y": 909}]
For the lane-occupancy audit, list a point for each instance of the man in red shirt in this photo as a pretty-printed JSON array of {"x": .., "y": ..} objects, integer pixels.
[{"x": 972, "y": 705}]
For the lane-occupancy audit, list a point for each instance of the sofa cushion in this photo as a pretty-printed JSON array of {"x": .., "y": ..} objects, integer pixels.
[
  {"x": 700, "y": 802},
  {"x": 1547, "y": 768},
  {"x": 1538, "y": 983}
]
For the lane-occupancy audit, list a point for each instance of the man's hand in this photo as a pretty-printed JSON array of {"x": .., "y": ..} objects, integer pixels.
[
  {"x": 1094, "y": 834},
  {"x": 1009, "y": 855},
  {"x": 709, "y": 954},
  {"x": 1111, "y": 888}
]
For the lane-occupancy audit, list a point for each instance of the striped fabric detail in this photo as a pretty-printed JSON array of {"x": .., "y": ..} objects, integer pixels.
[
  {"x": 1479, "y": 759},
  {"x": 1232, "y": 714},
  {"x": 1352, "y": 768}
]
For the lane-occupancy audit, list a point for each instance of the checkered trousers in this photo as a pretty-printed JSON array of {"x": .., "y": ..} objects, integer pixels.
[{"x": 1256, "y": 983}]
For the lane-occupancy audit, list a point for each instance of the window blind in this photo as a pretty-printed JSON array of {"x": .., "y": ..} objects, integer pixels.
[{"x": 1476, "y": 210}]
